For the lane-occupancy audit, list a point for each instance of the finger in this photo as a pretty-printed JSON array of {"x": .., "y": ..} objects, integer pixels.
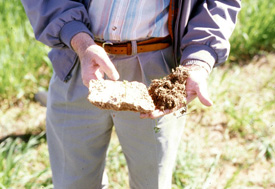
[
  {"x": 86, "y": 78},
  {"x": 190, "y": 96},
  {"x": 99, "y": 74},
  {"x": 158, "y": 113},
  {"x": 92, "y": 72},
  {"x": 152, "y": 115},
  {"x": 108, "y": 67},
  {"x": 144, "y": 115},
  {"x": 155, "y": 114},
  {"x": 203, "y": 95}
]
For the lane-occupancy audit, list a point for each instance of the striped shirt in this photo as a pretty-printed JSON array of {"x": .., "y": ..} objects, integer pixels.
[{"x": 124, "y": 20}]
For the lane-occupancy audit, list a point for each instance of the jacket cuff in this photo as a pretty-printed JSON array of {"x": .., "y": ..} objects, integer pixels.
[
  {"x": 198, "y": 63},
  {"x": 199, "y": 54},
  {"x": 72, "y": 28}
]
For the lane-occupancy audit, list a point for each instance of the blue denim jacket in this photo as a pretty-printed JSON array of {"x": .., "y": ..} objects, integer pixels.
[{"x": 201, "y": 32}]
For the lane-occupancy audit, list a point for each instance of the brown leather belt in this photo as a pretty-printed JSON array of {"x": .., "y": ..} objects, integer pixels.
[{"x": 152, "y": 44}]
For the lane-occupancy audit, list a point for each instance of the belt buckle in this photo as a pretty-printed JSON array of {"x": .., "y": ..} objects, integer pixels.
[{"x": 106, "y": 43}]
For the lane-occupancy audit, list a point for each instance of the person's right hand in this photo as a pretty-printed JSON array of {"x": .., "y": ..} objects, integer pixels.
[
  {"x": 196, "y": 85},
  {"x": 93, "y": 59}
]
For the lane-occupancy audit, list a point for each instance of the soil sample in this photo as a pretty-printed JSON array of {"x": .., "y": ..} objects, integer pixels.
[
  {"x": 169, "y": 92},
  {"x": 120, "y": 96},
  {"x": 166, "y": 93}
]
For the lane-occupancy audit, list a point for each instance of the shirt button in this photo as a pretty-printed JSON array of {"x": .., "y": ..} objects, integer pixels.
[{"x": 114, "y": 28}]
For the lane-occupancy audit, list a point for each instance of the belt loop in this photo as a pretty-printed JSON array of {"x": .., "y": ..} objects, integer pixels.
[
  {"x": 134, "y": 47},
  {"x": 129, "y": 48}
]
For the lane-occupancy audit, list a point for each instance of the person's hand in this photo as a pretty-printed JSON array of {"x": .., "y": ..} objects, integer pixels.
[
  {"x": 93, "y": 58},
  {"x": 196, "y": 86},
  {"x": 94, "y": 63},
  {"x": 157, "y": 113}
]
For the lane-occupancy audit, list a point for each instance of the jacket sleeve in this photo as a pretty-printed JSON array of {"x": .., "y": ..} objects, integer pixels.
[
  {"x": 55, "y": 22},
  {"x": 207, "y": 34}
]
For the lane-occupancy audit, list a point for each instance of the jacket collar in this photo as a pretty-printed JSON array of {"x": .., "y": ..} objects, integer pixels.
[{"x": 87, "y": 3}]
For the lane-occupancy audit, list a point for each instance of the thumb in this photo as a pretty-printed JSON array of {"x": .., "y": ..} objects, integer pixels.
[
  {"x": 110, "y": 70},
  {"x": 87, "y": 75},
  {"x": 190, "y": 96},
  {"x": 203, "y": 95},
  {"x": 108, "y": 67}
]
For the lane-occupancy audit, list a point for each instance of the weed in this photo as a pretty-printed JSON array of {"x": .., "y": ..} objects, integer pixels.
[
  {"x": 24, "y": 66},
  {"x": 15, "y": 157},
  {"x": 254, "y": 33}
]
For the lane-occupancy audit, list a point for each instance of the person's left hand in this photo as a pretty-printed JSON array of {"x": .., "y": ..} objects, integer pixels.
[{"x": 196, "y": 86}]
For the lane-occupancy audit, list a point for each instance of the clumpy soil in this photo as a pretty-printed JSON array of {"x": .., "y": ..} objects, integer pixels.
[{"x": 169, "y": 92}]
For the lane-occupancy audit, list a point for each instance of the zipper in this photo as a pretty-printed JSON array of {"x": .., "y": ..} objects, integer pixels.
[{"x": 177, "y": 32}]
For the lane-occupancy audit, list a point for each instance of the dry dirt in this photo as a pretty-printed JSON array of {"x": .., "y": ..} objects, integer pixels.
[
  {"x": 169, "y": 92},
  {"x": 166, "y": 93},
  {"x": 120, "y": 96}
]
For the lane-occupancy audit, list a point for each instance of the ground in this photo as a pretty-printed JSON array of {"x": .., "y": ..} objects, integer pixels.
[{"x": 230, "y": 145}]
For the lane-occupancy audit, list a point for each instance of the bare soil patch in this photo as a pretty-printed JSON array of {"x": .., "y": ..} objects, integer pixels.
[{"x": 22, "y": 120}]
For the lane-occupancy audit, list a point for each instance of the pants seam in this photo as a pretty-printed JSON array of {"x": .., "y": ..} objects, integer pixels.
[{"x": 155, "y": 123}]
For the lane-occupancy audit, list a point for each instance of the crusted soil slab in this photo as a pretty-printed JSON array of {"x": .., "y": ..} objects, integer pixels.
[
  {"x": 120, "y": 96},
  {"x": 169, "y": 92}
]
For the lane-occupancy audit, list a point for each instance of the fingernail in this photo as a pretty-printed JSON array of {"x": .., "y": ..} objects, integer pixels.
[
  {"x": 115, "y": 76},
  {"x": 209, "y": 103},
  {"x": 142, "y": 116}
]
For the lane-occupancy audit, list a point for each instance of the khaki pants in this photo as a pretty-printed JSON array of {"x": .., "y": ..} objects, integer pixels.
[{"x": 78, "y": 133}]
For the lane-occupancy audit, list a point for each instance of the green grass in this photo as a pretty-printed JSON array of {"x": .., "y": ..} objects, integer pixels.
[
  {"x": 24, "y": 66},
  {"x": 247, "y": 99},
  {"x": 254, "y": 33},
  {"x": 17, "y": 158}
]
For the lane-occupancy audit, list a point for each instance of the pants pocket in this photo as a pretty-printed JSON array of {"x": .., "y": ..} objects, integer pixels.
[{"x": 156, "y": 64}]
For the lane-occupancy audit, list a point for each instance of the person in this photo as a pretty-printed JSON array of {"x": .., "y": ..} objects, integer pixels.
[{"x": 124, "y": 40}]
